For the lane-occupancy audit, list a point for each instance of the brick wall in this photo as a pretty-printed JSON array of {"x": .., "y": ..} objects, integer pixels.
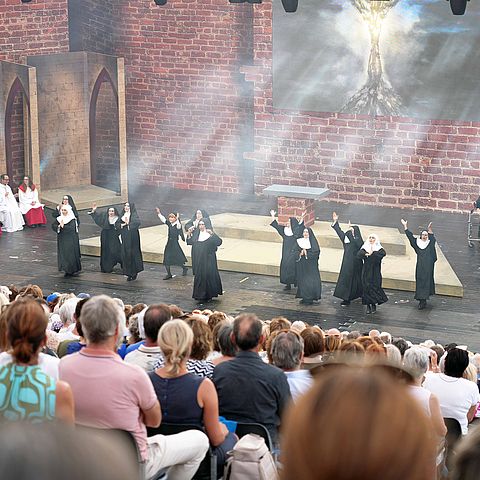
[
  {"x": 17, "y": 139},
  {"x": 389, "y": 161},
  {"x": 38, "y": 27},
  {"x": 106, "y": 165}
]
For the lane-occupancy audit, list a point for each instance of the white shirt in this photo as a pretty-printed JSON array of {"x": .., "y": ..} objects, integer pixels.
[
  {"x": 47, "y": 363},
  {"x": 26, "y": 199},
  {"x": 456, "y": 396},
  {"x": 299, "y": 381},
  {"x": 10, "y": 214},
  {"x": 422, "y": 395},
  {"x": 145, "y": 357}
]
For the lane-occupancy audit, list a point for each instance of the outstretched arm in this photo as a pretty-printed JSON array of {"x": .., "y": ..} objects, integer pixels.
[{"x": 336, "y": 227}]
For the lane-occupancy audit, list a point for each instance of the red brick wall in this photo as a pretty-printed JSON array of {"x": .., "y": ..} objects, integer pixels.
[
  {"x": 38, "y": 27},
  {"x": 401, "y": 162},
  {"x": 107, "y": 157},
  {"x": 17, "y": 138}
]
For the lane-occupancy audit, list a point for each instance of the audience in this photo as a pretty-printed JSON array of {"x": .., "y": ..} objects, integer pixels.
[
  {"x": 249, "y": 390},
  {"x": 228, "y": 350}
]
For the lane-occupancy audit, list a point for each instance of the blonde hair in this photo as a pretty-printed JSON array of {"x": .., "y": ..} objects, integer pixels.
[
  {"x": 175, "y": 340},
  {"x": 470, "y": 373}
]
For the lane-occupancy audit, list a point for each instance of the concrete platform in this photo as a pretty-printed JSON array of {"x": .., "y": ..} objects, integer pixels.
[
  {"x": 84, "y": 196},
  {"x": 253, "y": 249}
]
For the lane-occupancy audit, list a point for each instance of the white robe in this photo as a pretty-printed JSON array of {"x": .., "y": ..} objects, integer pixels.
[
  {"x": 26, "y": 199},
  {"x": 10, "y": 214}
]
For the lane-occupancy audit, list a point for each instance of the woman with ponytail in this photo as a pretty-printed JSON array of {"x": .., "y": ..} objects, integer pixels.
[
  {"x": 186, "y": 398},
  {"x": 27, "y": 393}
]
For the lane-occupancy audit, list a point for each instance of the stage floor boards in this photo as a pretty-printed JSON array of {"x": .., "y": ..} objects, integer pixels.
[{"x": 30, "y": 257}]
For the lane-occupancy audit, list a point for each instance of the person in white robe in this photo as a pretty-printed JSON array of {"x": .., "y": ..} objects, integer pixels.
[
  {"x": 10, "y": 214},
  {"x": 29, "y": 204}
]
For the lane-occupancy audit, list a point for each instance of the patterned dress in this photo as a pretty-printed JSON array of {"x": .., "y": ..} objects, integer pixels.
[{"x": 26, "y": 394}]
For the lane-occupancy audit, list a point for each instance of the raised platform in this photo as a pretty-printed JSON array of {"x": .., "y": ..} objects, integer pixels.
[
  {"x": 250, "y": 245},
  {"x": 84, "y": 196}
]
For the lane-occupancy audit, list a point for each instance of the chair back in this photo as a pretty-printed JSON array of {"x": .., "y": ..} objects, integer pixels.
[
  {"x": 258, "y": 429},
  {"x": 208, "y": 468},
  {"x": 454, "y": 433}
]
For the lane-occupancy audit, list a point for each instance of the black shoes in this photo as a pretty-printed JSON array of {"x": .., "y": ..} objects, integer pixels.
[
  {"x": 167, "y": 277},
  {"x": 345, "y": 303},
  {"x": 306, "y": 302},
  {"x": 369, "y": 309},
  {"x": 374, "y": 308},
  {"x": 422, "y": 304},
  {"x": 131, "y": 278},
  {"x": 287, "y": 287},
  {"x": 185, "y": 271}
]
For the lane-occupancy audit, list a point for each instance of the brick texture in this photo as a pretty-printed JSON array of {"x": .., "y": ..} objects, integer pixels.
[
  {"x": 17, "y": 139},
  {"x": 295, "y": 207}
]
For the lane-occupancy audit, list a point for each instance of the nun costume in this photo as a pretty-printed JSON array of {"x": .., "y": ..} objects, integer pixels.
[
  {"x": 132, "y": 260},
  {"x": 68, "y": 246}
]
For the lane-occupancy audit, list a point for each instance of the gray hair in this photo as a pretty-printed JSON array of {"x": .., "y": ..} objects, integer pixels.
[
  {"x": 67, "y": 310},
  {"x": 100, "y": 317},
  {"x": 287, "y": 350},
  {"x": 415, "y": 360},
  {"x": 386, "y": 338},
  {"x": 224, "y": 339},
  {"x": 393, "y": 354}
]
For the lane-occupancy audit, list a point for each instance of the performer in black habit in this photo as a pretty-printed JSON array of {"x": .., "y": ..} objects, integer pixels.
[
  {"x": 372, "y": 254},
  {"x": 307, "y": 253},
  {"x": 424, "y": 247},
  {"x": 132, "y": 260},
  {"x": 207, "y": 283},
  {"x": 289, "y": 235},
  {"x": 68, "y": 246},
  {"x": 349, "y": 283},
  {"x": 196, "y": 217},
  {"x": 110, "y": 246},
  {"x": 173, "y": 253},
  {"x": 67, "y": 200}
]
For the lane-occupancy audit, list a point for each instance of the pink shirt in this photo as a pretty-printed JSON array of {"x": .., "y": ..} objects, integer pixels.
[{"x": 109, "y": 393}]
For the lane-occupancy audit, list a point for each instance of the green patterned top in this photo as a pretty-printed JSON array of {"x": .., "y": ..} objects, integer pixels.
[{"x": 26, "y": 393}]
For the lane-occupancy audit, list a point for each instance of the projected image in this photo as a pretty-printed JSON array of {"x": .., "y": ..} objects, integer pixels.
[{"x": 398, "y": 57}]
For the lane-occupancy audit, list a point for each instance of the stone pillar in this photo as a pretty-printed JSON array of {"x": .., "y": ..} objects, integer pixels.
[{"x": 294, "y": 207}]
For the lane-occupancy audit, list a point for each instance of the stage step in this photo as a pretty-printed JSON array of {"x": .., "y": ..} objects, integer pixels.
[{"x": 263, "y": 257}]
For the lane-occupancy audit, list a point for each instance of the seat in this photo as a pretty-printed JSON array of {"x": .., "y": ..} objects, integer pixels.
[
  {"x": 257, "y": 428},
  {"x": 127, "y": 439},
  {"x": 207, "y": 470},
  {"x": 454, "y": 433}
]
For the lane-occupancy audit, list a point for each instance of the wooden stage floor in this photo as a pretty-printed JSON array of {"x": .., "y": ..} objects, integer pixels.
[{"x": 30, "y": 257}]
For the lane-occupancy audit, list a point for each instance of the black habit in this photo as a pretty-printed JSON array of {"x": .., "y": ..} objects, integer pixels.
[
  {"x": 56, "y": 211},
  {"x": 173, "y": 253},
  {"x": 287, "y": 263},
  {"x": 207, "y": 283},
  {"x": 132, "y": 260},
  {"x": 426, "y": 258},
  {"x": 68, "y": 247},
  {"x": 372, "y": 277},
  {"x": 193, "y": 222},
  {"x": 349, "y": 283},
  {"x": 110, "y": 246},
  {"x": 309, "y": 283}
]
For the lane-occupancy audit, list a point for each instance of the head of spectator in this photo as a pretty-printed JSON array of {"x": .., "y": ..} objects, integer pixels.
[
  {"x": 175, "y": 340},
  {"x": 202, "y": 338},
  {"x": 466, "y": 462},
  {"x": 13, "y": 292},
  {"x": 226, "y": 347},
  {"x": 353, "y": 335},
  {"x": 175, "y": 311},
  {"x": 307, "y": 456},
  {"x": 279, "y": 323},
  {"x": 247, "y": 332},
  {"x": 137, "y": 308},
  {"x": 476, "y": 361},
  {"x": 287, "y": 351},
  {"x": 67, "y": 312},
  {"x": 313, "y": 341},
  {"x": 374, "y": 333},
  {"x": 62, "y": 298},
  {"x": 102, "y": 322},
  {"x": 456, "y": 362},
  {"x": 31, "y": 291},
  {"x": 119, "y": 301},
  {"x": 401, "y": 344},
  {"x": 127, "y": 310},
  {"x": 298, "y": 326},
  {"x": 450, "y": 346},
  {"x": 333, "y": 332},
  {"x": 352, "y": 348},
  {"x": 215, "y": 318},
  {"x": 133, "y": 329},
  {"x": 365, "y": 341},
  {"x": 393, "y": 355},
  {"x": 439, "y": 351},
  {"x": 332, "y": 342},
  {"x": 415, "y": 361},
  {"x": 470, "y": 373},
  {"x": 76, "y": 316},
  {"x": 155, "y": 317},
  {"x": 52, "y": 300},
  {"x": 386, "y": 338},
  {"x": 376, "y": 349}
]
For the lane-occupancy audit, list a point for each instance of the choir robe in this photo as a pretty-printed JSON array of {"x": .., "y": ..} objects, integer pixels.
[
  {"x": 207, "y": 283},
  {"x": 132, "y": 260},
  {"x": 30, "y": 206},
  {"x": 372, "y": 277},
  {"x": 110, "y": 246},
  {"x": 10, "y": 214},
  {"x": 309, "y": 283},
  {"x": 287, "y": 263},
  {"x": 424, "y": 271},
  {"x": 68, "y": 247},
  {"x": 173, "y": 253},
  {"x": 349, "y": 283}
]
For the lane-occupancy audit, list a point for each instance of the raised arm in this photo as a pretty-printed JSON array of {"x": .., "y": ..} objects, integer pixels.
[
  {"x": 409, "y": 235},
  {"x": 336, "y": 227},
  {"x": 275, "y": 224}
]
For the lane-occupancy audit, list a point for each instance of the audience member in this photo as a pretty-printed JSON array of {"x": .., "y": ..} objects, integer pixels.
[
  {"x": 401, "y": 344},
  {"x": 248, "y": 389},
  {"x": 201, "y": 348},
  {"x": 228, "y": 350},
  {"x": 124, "y": 397},
  {"x": 313, "y": 347}
]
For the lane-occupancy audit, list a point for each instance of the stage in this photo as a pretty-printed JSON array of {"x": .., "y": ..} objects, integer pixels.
[{"x": 30, "y": 257}]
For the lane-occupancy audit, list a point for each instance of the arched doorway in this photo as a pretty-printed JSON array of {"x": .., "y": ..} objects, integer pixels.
[
  {"x": 17, "y": 147},
  {"x": 104, "y": 141}
]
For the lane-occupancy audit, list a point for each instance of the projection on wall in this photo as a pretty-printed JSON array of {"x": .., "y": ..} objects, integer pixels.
[{"x": 400, "y": 57}]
